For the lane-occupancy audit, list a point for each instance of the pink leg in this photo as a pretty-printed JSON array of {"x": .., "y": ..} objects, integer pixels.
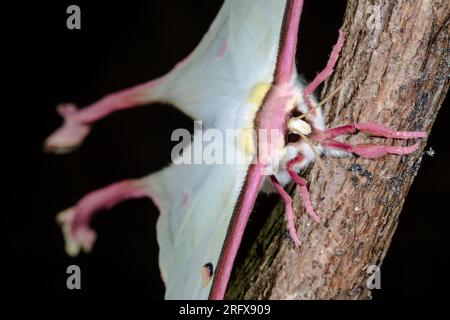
[
  {"x": 379, "y": 130},
  {"x": 333, "y": 132},
  {"x": 325, "y": 73},
  {"x": 289, "y": 214},
  {"x": 77, "y": 123},
  {"x": 305, "y": 194},
  {"x": 371, "y": 128},
  {"x": 370, "y": 151},
  {"x": 76, "y": 221}
]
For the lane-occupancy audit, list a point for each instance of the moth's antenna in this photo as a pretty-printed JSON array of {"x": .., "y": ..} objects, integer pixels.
[
  {"x": 316, "y": 154},
  {"x": 324, "y": 100},
  {"x": 328, "y": 97}
]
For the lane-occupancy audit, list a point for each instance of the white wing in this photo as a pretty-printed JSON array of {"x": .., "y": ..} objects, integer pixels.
[
  {"x": 196, "y": 204},
  {"x": 238, "y": 53},
  {"x": 222, "y": 83}
]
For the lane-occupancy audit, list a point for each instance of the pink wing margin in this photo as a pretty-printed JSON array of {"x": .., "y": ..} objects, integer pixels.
[
  {"x": 77, "y": 125},
  {"x": 285, "y": 70}
]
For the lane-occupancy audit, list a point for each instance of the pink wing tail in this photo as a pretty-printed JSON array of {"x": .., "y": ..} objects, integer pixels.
[
  {"x": 77, "y": 123},
  {"x": 76, "y": 221}
]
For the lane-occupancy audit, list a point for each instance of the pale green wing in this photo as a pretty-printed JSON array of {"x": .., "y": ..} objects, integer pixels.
[
  {"x": 236, "y": 57},
  {"x": 223, "y": 83}
]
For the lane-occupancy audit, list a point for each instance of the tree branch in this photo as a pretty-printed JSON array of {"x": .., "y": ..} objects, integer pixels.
[{"x": 395, "y": 66}]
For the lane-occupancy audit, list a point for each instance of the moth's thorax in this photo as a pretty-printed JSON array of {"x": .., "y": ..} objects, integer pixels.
[{"x": 286, "y": 120}]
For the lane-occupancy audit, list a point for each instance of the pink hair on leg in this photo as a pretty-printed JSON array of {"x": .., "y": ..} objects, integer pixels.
[
  {"x": 373, "y": 151},
  {"x": 302, "y": 183},
  {"x": 379, "y": 130},
  {"x": 333, "y": 132},
  {"x": 370, "y": 128},
  {"x": 304, "y": 193},
  {"x": 325, "y": 73},
  {"x": 289, "y": 213},
  {"x": 370, "y": 151}
]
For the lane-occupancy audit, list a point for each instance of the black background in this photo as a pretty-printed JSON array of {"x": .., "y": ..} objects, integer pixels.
[{"x": 123, "y": 44}]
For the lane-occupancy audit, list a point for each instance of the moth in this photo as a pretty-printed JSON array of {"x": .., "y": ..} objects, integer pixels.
[{"x": 241, "y": 76}]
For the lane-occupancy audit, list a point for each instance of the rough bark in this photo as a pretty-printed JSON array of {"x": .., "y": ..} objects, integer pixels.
[{"x": 395, "y": 67}]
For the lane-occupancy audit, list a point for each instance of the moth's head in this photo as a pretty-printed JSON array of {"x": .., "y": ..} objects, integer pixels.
[
  {"x": 304, "y": 118},
  {"x": 302, "y": 121},
  {"x": 296, "y": 128}
]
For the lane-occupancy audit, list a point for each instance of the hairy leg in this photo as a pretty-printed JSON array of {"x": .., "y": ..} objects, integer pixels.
[
  {"x": 371, "y": 128},
  {"x": 368, "y": 150},
  {"x": 302, "y": 183},
  {"x": 325, "y": 73},
  {"x": 289, "y": 213},
  {"x": 304, "y": 193}
]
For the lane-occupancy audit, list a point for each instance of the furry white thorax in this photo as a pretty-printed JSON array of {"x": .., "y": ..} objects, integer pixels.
[{"x": 290, "y": 150}]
